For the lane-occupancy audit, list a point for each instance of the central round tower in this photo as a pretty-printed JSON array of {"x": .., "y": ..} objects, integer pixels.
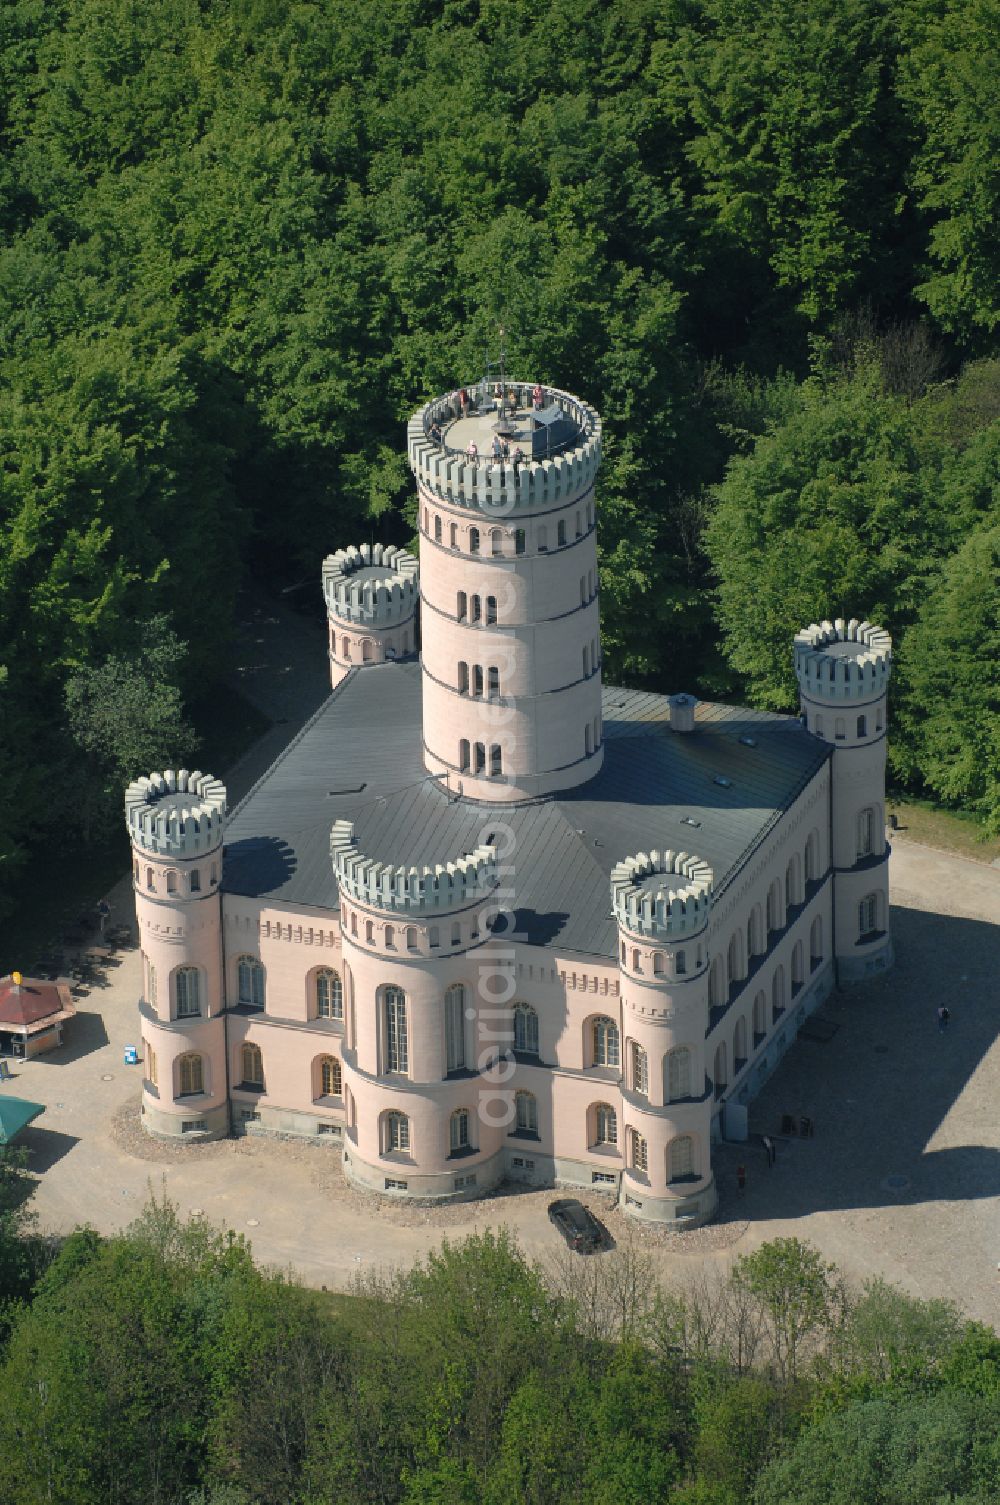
[{"x": 510, "y": 619}]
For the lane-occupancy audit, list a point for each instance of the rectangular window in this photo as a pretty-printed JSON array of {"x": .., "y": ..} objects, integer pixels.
[
  {"x": 396, "y": 1055},
  {"x": 866, "y": 833},
  {"x": 454, "y": 1023},
  {"x": 188, "y": 993},
  {"x": 868, "y": 915},
  {"x": 640, "y": 1069},
  {"x": 195, "y": 882}
]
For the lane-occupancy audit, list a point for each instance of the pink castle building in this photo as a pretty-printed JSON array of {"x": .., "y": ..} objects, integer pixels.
[{"x": 487, "y": 918}]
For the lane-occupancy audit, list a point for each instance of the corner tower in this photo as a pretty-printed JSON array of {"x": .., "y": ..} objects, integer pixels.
[
  {"x": 843, "y": 671},
  {"x": 662, "y": 903},
  {"x": 176, "y": 822},
  {"x": 371, "y": 598},
  {"x": 511, "y": 642}
]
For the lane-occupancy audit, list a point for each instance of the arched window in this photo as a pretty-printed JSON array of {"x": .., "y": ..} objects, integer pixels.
[
  {"x": 561, "y": 532},
  {"x": 194, "y": 881},
  {"x": 395, "y": 1134},
  {"x": 411, "y": 937},
  {"x": 437, "y": 530},
  {"x": 190, "y": 1075},
  {"x": 463, "y": 679},
  {"x": 878, "y": 721},
  {"x": 605, "y": 1125},
  {"x": 681, "y": 1158},
  {"x": 797, "y": 968},
  {"x": 862, "y": 727},
  {"x": 396, "y": 1044},
  {"x": 778, "y": 995},
  {"x": 526, "y": 1113},
  {"x": 370, "y": 932},
  {"x": 473, "y": 540},
  {"x": 171, "y": 883},
  {"x": 250, "y": 976},
  {"x": 329, "y": 994},
  {"x": 638, "y": 1152},
  {"x": 657, "y": 963},
  {"x": 816, "y": 943},
  {"x": 739, "y": 1044},
  {"x": 463, "y": 755},
  {"x": 812, "y": 857},
  {"x": 774, "y": 921},
  {"x": 735, "y": 959},
  {"x": 496, "y": 543},
  {"x": 458, "y": 1137},
  {"x": 251, "y": 1066},
  {"x": 678, "y": 1074},
  {"x": 456, "y": 934},
  {"x": 187, "y": 986},
  {"x": 543, "y": 539},
  {"x": 519, "y": 541},
  {"x": 721, "y": 1069},
  {"x": 840, "y": 729},
  {"x": 476, "y": 609},
  {"x": 868, "y": 916},
  {"x": 716, "y": 984},
  {"x": 331, "y": 1077},
  {"x": 606, "y": 1043},
  {"x": 354, "y": 923},
  {"x": 462, "y": 606},
  {"x": 477, "y": 679},
  {"x": 453, "y": 535},
  {"x": 635, "y": 959},
  {"x": 866, "y": 832},
  {"x": 345, "y": 648},
  {"x": 493, "y": 681},
  {"x": 680, "y": 963},
  {"x": 150, "y": 881},
  {"x": 759, "y": 1018},
  {"x": 818, "y": 726},
  {"x": 367, "y": 651},
  {"x": 480, "y": 758},
  {"x": 491, "y": 611},
  {"x": 640, "y": 1069},
  {"x": 525, "y": 1029},
  {"x": 792, "y": 895},
  {"x": 496, "y": 761},
  {"x": 454, "y": 1027}
]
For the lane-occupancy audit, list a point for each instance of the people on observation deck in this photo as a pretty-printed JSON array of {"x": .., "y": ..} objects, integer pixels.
[
  {"x": 473, "y": 450},
  {"x": 435, "y": 432},
  {"x": 497, "y": 448},
  {"x": 518, "y": 459},
  {"x": 537, "y": 396}
]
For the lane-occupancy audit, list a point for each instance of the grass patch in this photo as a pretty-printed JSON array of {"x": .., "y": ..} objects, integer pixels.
[{"x": 949, "y": 830}]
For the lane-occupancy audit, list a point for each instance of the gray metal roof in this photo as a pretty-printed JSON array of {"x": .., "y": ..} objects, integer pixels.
[{"x": 360, "y": 759}]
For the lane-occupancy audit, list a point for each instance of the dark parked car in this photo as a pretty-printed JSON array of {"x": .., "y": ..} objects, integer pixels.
[{"x": 578, "y": 1226}]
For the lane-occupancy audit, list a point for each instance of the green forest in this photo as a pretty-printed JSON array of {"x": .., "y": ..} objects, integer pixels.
[
  {"x": 163, "y": 1367},
  {"x": 241, "y": 240}
]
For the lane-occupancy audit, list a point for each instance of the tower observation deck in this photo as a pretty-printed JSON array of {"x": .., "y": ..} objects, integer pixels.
[{"x": 511, "y": 663}]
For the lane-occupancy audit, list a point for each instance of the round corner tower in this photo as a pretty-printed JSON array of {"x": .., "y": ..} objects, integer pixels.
[
  {"x": 176, "y": 822},
  {"x": 418, "y": 1123},
  {"x": 371, "y": 596},
  {"x": 511, "y": 646},
  {"x": 662, "y": 902},
  {"x": 843, "y": 671}
]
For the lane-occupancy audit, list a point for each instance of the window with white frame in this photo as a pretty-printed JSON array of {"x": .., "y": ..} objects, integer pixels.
[
  {"x": 526, "y": 1112},
  {"x": 187, "y": 983},
  {"x": 640, "y": 1069},
  {"x": 605, "y": 1125},
  {"x": 679, "y": 1074},
  {"x": 454, "y": 1027},
  {"x": 459, "y": 1138},
  {"x": 638, "y": 1151},
  {"x": 329, "y": 995},
  {"x": 331, "y": 1077},
  {"x": 190, "y": 1075},
  {"x": 396, "y": 1131},
  {"x": 396, "y": 1046},
  {"x": 251, "y": 982},
  {"x": 868, "y": 915},
  {"x": 681, "y": 1158},
  {"x": 866, "y": 832},
  {"x": 606, "y": 1042},
  {"x": 525, "y": 1029}
]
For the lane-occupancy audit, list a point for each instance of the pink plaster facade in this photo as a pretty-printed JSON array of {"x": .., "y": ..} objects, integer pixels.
[{"x": 412, "y": 1025}]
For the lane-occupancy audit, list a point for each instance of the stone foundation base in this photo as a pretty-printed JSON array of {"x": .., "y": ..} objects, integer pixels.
[
  {"x": 854, "y": 969},
  {"x": 284, "y": 1123},
  {"x": 462, "y": 1182},
  {"x": 193, "y": 1125},
  {"x": 676, "y": 1212}
]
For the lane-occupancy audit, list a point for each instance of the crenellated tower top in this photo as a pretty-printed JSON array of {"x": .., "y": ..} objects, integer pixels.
[
  {"x": 840, "y": 662},
  {"x": 662, "y": 895},
  {"x": 410, "y": 890},
  {"x": 372, "y": 586},
  {"x": 176, "y": 814}
]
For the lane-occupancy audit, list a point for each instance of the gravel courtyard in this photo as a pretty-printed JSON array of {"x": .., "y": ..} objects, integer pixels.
[{"x": 902, "y": 1177}]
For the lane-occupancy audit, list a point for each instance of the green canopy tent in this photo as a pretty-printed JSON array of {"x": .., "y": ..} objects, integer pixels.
[{"x": 16, "y": 1113}]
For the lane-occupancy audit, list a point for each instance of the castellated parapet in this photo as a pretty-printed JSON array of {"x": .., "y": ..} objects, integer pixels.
[
  {"x": 373, "y": 585},
  {"x": 490, "y": 486},
  {"x": 662, "y": 895},
  {"x": 176, "y": 814},
  {"x": 840, "y": 661},
  {"x": 410, "y": 890}
]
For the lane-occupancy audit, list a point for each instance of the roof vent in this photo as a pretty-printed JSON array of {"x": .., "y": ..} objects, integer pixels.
[
  {"x": 747, "y": 741},
  {"x": 689, "y": 820},
  {"x": 682, "y": 713},
  {"x": 722, "y": 781}
]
